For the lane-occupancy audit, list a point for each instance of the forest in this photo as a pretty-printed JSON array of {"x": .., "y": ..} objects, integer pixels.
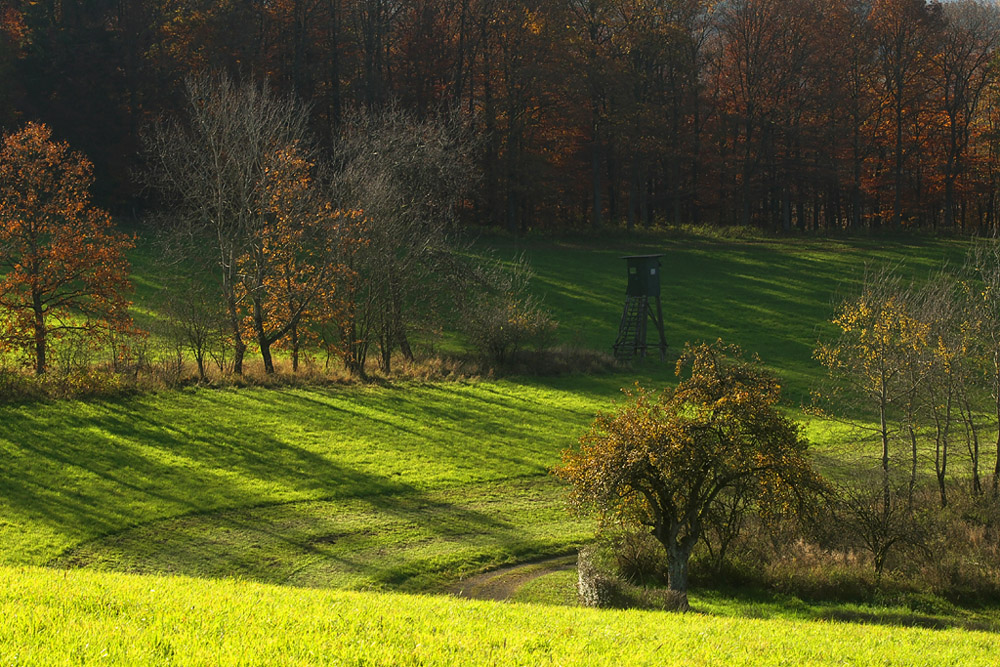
[{"x": 778, "y": 114}]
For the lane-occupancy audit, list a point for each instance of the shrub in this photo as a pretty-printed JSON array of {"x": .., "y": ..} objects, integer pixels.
[{"x": 500, "y": 316}]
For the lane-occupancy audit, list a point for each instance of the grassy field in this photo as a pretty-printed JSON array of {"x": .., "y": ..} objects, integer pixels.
[
  {"x": 407, "y": 487},
  {"x": 772, "y": 296},
  {"x": 320, "y": 472},
  {"x": 80, "y": 617}
]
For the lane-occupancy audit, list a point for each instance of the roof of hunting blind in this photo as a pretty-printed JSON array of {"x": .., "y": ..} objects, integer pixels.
[{"x": 640, "y": 256}]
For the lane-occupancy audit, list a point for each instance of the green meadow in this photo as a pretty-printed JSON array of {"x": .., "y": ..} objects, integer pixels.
[
  {"x": 290, "y": 520},
  {"x": 81, "y": 617}
]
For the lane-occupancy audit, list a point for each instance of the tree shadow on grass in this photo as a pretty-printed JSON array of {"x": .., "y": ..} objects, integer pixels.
[
  {"x": 756, "y": 603},
  {"x": 92, "y": 469},
  {"x": 409, "y": 540}
]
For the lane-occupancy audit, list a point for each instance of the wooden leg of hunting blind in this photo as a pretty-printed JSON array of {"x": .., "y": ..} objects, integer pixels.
[{"x": 659, "y": 327}]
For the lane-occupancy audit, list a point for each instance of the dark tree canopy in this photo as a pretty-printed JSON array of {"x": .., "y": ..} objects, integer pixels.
[{"x": 818, "y": 114}]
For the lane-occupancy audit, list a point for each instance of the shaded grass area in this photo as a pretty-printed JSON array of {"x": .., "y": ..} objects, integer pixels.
[
  {"x": 77, "y": 471},
  {"x": 773, "y": 297},
  {"x": 81, "y": 616}
]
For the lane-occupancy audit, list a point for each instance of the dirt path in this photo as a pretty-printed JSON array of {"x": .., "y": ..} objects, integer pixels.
[{"x": 501, "y": 584}]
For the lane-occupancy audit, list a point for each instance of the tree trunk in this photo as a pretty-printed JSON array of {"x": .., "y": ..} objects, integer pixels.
[
  {"x": 39, "y": 327},
  {"x": 996, "y": 407},
  {"x": 597, "y": 205},
  {"x": 239, "y": 347},
  {"x": 265, "y": 354},
  {"x": 239, "y": 351},
  {"x": 263, "y": 340},
  {"x": 913, "y": 464},
  {"x": 677, "y": 574},
  {"x": 884, "y": 434}
]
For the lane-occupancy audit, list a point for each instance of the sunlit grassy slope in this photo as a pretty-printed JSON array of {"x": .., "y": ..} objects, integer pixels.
[
  {"x": 327, "y": 482},
  {"x": 406, "y": 486},
  {"x": 79, "y": 617}
]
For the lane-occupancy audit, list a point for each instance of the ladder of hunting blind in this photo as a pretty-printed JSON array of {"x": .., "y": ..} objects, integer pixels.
[{"x": 632, "y": 330}]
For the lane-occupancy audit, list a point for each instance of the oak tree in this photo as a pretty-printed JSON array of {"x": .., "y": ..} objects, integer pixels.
[{"x": 63, "y": 262}]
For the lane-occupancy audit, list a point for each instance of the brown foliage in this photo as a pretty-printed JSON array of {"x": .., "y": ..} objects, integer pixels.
[{"x": 65, "y": 267}]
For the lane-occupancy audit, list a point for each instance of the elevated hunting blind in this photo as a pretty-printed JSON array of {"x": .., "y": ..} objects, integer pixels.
[{"x": 641, "y": 291}]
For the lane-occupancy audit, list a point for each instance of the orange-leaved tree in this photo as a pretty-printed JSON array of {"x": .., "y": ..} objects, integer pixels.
[
  {"x": 295, "y": 269},
  {"x": 63, "y": 262},
  {"x": 666, "y": 462}
]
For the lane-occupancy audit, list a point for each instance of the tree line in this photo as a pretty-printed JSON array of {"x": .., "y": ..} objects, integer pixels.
[
  {"x": 782, "y": 114},
  {"x": 264, "y": 241}
]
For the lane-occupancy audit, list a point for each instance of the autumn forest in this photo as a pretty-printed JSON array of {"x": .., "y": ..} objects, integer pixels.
[{"x": 779, "y": 114}]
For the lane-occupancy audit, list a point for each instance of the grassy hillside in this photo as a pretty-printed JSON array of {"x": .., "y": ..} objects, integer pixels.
[
  {"x": 54, "y": 618},
  {"x": 772, "y": 296},
  {"x": 359, "y": 469},
  {"x": 406, "y": 487}
]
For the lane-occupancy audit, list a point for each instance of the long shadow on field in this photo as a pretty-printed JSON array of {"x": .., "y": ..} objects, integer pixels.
[
  {"x": 97, "y": 468},
  {"x": 408, "y": 541},
  {"x": 754, "y": 603}
]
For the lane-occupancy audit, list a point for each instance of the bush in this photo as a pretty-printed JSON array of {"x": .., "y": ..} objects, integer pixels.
[{"x": 500, "y": 315}]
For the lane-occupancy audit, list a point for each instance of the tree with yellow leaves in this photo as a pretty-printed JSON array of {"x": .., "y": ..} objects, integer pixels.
[
  {"x": 665, "y": 462},
  {"x": 871, "y": 357}
]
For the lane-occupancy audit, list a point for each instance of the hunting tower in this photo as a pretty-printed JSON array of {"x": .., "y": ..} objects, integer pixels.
[{"x": 641, "y": 293}]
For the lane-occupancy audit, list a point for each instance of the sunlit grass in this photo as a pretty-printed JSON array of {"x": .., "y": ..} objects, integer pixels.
[
  {"x": 78, "y": 617},
  {"x": 409, "y": 487}
]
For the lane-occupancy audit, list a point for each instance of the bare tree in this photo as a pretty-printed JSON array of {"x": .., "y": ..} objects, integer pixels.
[
  {"x": 237, "y": 165},
  {"x": 195, "y": 320},
  {"x": 881, "y": 526},
  {"x": 408, "y": 177}
]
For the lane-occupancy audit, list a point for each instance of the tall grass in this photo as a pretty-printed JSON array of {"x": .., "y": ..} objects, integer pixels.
[{"x": 57, "y": 618}]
